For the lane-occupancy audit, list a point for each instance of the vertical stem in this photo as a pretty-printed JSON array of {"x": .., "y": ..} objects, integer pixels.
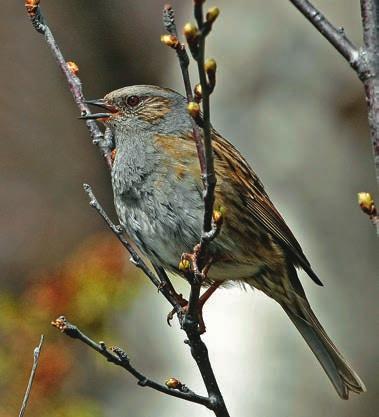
[{"x": 370, "y": 23}]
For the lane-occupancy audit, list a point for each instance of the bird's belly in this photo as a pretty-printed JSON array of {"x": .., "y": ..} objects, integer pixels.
[{"x": 160, "y": 229}]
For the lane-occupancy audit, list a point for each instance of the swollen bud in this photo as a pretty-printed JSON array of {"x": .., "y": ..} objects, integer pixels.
[
  {"x": 198, "y": 92},
  {"x": 218, "y": 215},
  {"x": 173, "y": 383},
  {"x": 210, "y": 65},
  {"x": 212, "y": 14},
  {"x": 190, "y": 31},
  {"x": 184, "y": 265},
  {"x": 72, "y": 67},
  {"x": 170, "y": 40},
  {"x": 193, "y": 109},
  {"x": 31, "y": 6},
  {"x": 366, "y": 203}
]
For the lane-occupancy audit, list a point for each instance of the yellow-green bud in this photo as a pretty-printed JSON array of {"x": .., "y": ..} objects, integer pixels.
[
  {"x": 210, "y": 65},
  {"x": 173, "y": 383},
  {"x": 184, "y": 265},
  {"x": 197, "y": 91},
  {"x": 190, "y": 31},
  {"x": 366, "y": 203},
  {"x": 170, "y": 40},
  {"x": 193, "y": 109},
  {"x": 212, "y": 14},
  {"x": 72, "y": 67}
]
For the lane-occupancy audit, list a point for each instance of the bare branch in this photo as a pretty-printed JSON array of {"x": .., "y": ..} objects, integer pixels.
[
  {"x": 36, "y": 354},
  {"x": 170, "y": 25},
  {"x": 166, "y": 290},
  {"x": 119, "y": 357},
  {"x": 364, "y": 61},
  {"x": 209, "y": 176},
  {"x": 370, "y": 23},
  {"x": 189, "y": 321},
  {"x": 210, "y": 228},
  {"x": 70, "y": 71},
  {"x": 336, "y": 36}
]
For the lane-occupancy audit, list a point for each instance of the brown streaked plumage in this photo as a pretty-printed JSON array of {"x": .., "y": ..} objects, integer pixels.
[{"x": 158, "y": 198}]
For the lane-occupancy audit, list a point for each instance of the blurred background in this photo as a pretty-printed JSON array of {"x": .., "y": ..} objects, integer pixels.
[{"x": 293, "y": 107}]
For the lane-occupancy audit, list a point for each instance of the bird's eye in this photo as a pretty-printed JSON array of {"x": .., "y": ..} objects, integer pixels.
[{"x": 132, "y": 101}]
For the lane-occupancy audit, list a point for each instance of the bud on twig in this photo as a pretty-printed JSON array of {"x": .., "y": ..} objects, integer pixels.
[
  {"x": 218, "y": 215},
  {"x": 210, "y": 67},
  {"x": 174, "y": 383},
  {"x": 31, "y": 7},
  {"x": 60, "y": 323},
  {"x": 73, "y": 67},
  {"x": 171, "y": 41},
  {"x": 193, "y": 109},
  {"x": 212, "y": 14},
  {"x": 198, "y": 93},
  {"x": 191, "y": 32},
  {"x": 367, "y": 204},
  {"x": 184, "y": 265}
]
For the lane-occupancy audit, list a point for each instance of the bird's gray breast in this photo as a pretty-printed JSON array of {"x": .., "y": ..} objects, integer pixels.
[{"x": 160, "y": 212}]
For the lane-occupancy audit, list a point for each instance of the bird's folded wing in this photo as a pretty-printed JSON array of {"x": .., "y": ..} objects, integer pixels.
[{"x": 258, "y": 203}]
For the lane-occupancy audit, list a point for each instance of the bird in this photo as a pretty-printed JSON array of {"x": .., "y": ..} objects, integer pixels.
[{"x": 158, "y": 197}]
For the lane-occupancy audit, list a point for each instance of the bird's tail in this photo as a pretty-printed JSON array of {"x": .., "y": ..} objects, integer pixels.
[{"x": 342, "y": 376}]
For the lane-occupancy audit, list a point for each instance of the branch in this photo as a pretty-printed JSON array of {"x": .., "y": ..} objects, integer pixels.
[
  {"x": 189, "y": 321},
  {"x": 364, "y": 61},
  {"x": 118, "y": 357},
  {"x": 70, "y": 70},
  {"x": 370, "y": 23},
  {"x": 172, "y": 41},
  {"x": 36, "y": 354},
  {"x": 167, "y": 290},
  {"x": 336, "y": 36},
  {"x": 196, "y": 41}
]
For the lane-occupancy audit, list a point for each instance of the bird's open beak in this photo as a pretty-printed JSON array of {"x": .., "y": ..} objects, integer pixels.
[{"x": 103, "y": 105}]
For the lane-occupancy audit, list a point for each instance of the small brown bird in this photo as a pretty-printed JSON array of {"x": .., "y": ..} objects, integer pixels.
[{"x": 158, "y": 197}]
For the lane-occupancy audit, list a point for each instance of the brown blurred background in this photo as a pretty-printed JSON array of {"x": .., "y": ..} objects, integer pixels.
[{"x": 291, "y": 105}]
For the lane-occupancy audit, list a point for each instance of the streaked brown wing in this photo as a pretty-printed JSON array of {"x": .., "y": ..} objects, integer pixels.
[{"x": 259, "y": 204}]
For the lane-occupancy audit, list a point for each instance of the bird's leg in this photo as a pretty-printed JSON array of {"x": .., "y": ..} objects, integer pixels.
[
  {"x": 202, "y": 300},
  {"x": 181, "y": 301}
]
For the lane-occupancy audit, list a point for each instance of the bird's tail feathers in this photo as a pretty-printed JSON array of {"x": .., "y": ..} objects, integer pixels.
[{"x": 340, "y": 373}]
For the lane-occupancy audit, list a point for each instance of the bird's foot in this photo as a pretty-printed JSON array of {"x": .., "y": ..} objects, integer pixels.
[
  {"x": 199, "y": 308},
  {"x": 189, "y": 265},
  {"x": 184, "y": 311}
]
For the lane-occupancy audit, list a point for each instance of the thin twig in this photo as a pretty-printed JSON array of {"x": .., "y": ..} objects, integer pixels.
[
  {"x": 370, "y": 23},
  {"x": 190, "y": 321},
  {"x": 119, "y": 357},
  {"x": 36, "y": 354},
  {"x": 181, "y": 52},
  {"x": 364, "y": 60},
  {"x": 336, "y": 36},
  {"x": 210, "y": 229},
  {"x": 209, "y": 176},
  {"x": 70, "y": 71},
  {"x": 135, "y": 258}
]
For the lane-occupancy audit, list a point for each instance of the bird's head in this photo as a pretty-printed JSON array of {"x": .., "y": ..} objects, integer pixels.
[{"x": 142, "y": 107}]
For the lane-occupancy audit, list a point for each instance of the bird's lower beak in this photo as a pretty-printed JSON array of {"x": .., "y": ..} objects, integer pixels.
[{"x": 102, "y": 104}]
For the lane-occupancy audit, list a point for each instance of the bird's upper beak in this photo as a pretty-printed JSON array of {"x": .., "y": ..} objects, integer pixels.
[{"x": 103, "y": 105}]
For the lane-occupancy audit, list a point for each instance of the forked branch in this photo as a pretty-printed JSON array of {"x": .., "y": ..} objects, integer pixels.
[
  {"x": 364, "y": 60},
  {"x": 189, "y": 322}
]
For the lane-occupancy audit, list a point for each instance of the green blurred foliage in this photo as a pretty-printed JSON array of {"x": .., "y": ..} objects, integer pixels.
[{"x": 89, "y": 288}]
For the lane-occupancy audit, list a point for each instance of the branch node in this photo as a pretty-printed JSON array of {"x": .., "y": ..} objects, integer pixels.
[
  {"x": 65, "y": 327},
  {"x": 174, "y": 383}
]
